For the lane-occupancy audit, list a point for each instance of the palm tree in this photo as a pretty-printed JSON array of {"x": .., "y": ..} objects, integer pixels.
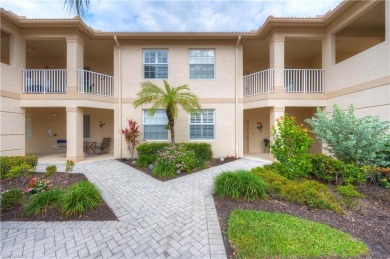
[
  {"x": 168, "y": 98},
  {"x": 80, "y": 7}
]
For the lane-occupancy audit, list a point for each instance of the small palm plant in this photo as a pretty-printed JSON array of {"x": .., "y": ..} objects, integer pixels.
[
  {"x": 168, "y": 98},
  {"x": 131, "y": 134}
]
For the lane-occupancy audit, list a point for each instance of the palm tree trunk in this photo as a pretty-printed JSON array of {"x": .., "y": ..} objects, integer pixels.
[{"x": 171, "y": 123}]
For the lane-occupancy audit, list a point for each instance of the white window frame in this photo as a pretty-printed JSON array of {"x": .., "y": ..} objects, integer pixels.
[
  {"x": 201, "y": 123},
  {"x": 189, "y": 64},
  {"x": 156, "y": 63},
  {"x": 145, "y": 112}
]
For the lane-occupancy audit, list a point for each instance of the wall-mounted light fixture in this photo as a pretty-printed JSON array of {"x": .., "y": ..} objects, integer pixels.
[
  {"x": 101, "y": 124},
  {"x": 259, "y": 126},
  {"x": 53, "y": 114}
]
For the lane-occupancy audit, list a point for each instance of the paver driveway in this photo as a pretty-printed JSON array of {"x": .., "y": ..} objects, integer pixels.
[{"x": 174, "y": 219}]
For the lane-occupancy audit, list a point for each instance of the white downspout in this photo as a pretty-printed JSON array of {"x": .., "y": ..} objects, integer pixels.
[
  {"x": 236, "y": 97},
  {"x": 120, "y": 93}
]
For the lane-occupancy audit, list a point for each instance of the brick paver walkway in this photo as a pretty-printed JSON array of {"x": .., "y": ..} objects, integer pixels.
[{"x": 173, "y": 219}]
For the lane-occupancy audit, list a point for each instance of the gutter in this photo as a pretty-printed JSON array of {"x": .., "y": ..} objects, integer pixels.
[
  {"x": 120, "y": 93},
  {"x": 236, "y": 99}
]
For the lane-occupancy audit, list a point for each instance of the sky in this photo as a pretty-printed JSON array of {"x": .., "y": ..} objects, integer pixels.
[{"x": 178, "y": 16}]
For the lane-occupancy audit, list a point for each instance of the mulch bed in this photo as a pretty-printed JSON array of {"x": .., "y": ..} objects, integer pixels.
[
  {"x": 146, "y": 170},
  {"x": 60, "y": 180},
  {"x": 369, "y": 221}
]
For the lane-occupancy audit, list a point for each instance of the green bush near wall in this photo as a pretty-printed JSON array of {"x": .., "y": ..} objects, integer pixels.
[
  {"x": 147, "y": 153},
  {"x": 7, "y": 162}
]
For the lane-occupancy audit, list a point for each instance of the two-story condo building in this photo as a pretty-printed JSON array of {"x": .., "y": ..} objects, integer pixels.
[{"x": 62, "y": 80}]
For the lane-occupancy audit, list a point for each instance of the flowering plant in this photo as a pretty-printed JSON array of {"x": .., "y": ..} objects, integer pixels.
[
  {"x": 291, "y": 146},
  {"x": 34, "y": 186},
  {"x": 174, "y": 159}
]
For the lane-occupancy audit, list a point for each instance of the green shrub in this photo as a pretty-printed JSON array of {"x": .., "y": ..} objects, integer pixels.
[
  {"x": 42, "y": 201},
  {"x": 203, "y": 153},
  {"x": 7, "y": 162},
  {"x": 348, "y": 191},
  {"x": 23, "y": 171},
  {"x": 79, "y": 198},
  {"x": 147, "y": 153},
  {"x": 50, "y": 170},
  {"x": 172, "y": 160},
  {"x": 260, "y": 234},
  {"x": 378, "y": 175},
  {"x": 69, "y": 166},
  {"x": 290, "y": 147},
  {"x": 240, "y": 185},
  {"x": 35, "y": 186},
  {"x": 350, "y": 139},
  {"x": 311, "y": 193},
  {"x": 11, "y": 198},
  {"x": 332, "y": 170}
]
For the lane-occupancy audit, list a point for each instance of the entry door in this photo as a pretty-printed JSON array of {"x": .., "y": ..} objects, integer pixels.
[{"x": 246, "y": 136}]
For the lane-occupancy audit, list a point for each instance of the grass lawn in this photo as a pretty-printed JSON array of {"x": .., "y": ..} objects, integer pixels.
[{"x": 258, "y": 234}]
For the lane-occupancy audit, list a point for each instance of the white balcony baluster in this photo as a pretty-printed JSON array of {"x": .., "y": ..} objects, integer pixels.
[
  {"x": 304, "y": 80},
  {"x": 259, "y": 83},
  {"x": 44, "y": 81},
  {"x": 95, "y": 83}
]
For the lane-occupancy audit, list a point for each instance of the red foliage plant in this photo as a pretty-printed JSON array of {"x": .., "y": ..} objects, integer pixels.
[{"x": 131, "y": 134}]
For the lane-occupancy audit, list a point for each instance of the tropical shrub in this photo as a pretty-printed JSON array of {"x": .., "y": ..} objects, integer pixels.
[
  {"x": 69, "y": 166},
  {"x": 7, "y": 162},
  {"x": 174, "y": 159},
  {"x": 290, "y": 147},
  {"x": 334, "y": 171},
  {"x": 11, "y": 198},
  {"x": 240, "y": 185},
  {"x": 131, "y": 134},
  {"x": 42, "y": 201},
  {"x": 203, "y": 153},
  {"x": 50, "y": 170},
  {"x": 79, "y": 198},
  {"x": 311, "y": 193},
  {"x": 147, "y": 153},
  {"x": 378, "y": 175},
  {"x": 22, "y": 171},
  {"x": 351, "y": 139}
]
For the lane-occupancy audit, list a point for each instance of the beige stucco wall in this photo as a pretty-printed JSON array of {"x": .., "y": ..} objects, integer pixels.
[{"x": 12, "y": 117}]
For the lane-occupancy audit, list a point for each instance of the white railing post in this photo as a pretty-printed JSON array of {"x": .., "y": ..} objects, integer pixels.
[
  {"x": 95, "y": 83},
  {"x": 304, "y": 80},
  {"x": 44, "y": 81},
  {"x": 259, "y": 83}
]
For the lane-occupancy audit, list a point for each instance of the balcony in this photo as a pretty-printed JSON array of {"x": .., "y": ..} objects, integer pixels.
[
  {"x": 53, "y": 81},
  {"x": 44, "y": 81},
  {"x": 295, "y": 81},
  {"x": 95, "y": 83}
]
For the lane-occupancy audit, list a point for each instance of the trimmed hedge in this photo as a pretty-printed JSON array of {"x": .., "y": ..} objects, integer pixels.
[
  {"x": 147, "y": 153},
  {"x": 7, "y": 162}
]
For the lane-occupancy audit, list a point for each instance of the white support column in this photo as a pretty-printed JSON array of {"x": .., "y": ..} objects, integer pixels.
[
  {"x": 276, "y": 56},
  {"x": 74, "y": 134},
  {"x": 275, "y": 113},
  {"x": 74, "y": 61}
]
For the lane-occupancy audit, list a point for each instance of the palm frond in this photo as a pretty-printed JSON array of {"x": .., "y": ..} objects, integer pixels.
[{"x": 79, "y": 7}]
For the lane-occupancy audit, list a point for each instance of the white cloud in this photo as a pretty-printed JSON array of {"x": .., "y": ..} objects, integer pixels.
[{"x": 184, "y": 15}]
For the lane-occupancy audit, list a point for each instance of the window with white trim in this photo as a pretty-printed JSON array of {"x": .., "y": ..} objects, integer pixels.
[
  {"x": 202, "y": 125},
  {"x": 201, "y": 63},
  {"x": 28, "y": 124},
  {"x": 156, "y": 63},
  {"x": 155, "y": 126}
]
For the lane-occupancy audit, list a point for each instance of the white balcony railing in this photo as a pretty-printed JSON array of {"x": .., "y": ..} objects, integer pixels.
[
  {"x": 304, "y": 80},
  {"x": 95, "y": 83},
  {"x": 259, "y": 83},
  {"x": 44, "y": 81}
]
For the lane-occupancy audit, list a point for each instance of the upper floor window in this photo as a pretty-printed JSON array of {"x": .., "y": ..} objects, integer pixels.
[
  {"x": 202, "y": 125},
  {"x": 156, "y": 63},
  {"x": 201, "y": 63},
  {"x": 155, "y": 126}
]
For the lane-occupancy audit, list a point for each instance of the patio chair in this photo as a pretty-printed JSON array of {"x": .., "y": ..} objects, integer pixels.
[
  {"x": 61, "y": 146},
  {"x": 102, "y": 147}
]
